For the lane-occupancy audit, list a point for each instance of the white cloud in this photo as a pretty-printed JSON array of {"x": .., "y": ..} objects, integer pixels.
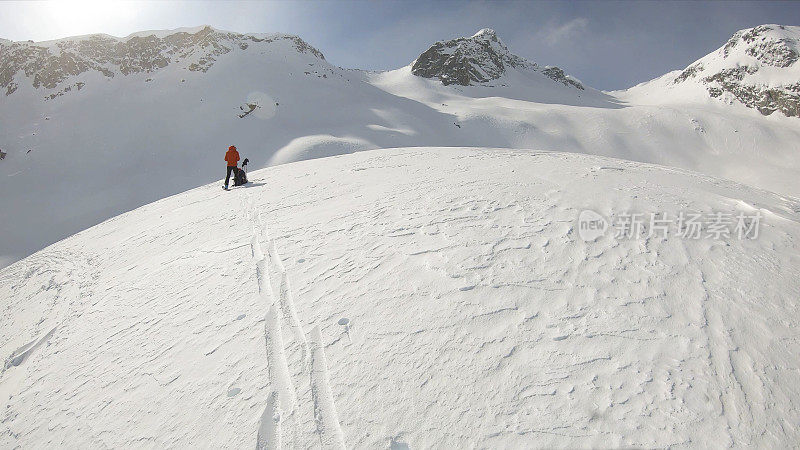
[{"x": 553, "y": 34}]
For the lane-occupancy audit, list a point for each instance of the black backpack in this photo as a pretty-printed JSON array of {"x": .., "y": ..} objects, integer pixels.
[{"x": 240, "y": 178}]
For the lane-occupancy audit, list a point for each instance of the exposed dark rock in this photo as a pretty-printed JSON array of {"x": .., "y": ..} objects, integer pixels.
[
  {"x": 556, "y": 74},
  {"x": 49, "y": 65},
  {"x": 769, "y": 46},
  {"x": 475, "y": 60},
  {"x": 689, "y": 72},
  {"x": 465, "y": 61}
]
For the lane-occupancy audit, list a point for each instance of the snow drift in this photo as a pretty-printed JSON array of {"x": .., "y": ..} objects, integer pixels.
[
  {"x": 422, "y": 297},
  {"x": 94, "y": 126}
]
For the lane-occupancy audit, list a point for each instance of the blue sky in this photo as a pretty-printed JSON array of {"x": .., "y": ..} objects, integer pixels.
[{"x": 606, "y": 44}]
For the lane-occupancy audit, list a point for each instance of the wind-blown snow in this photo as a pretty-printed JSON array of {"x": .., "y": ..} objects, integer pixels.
[
  {"x": 455, "y": 304},
  {"x": 118, "y": 143},
  {"x": 319, "y": 146}
]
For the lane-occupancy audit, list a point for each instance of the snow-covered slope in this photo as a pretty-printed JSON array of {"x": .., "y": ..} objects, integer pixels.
[
  {"x": 757, "y": 68},
  {"x": 94, "y": 126},
  {"x": 714, "y": 138},
  {"x": 456, "y": 305}
]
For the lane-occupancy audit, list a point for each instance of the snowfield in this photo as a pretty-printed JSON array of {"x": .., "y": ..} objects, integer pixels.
[
  {"x": 412, "y": 298},
  {"x": 111, "y": 144}
]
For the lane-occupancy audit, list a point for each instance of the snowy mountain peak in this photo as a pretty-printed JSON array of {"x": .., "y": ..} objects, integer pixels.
[
  {"x": 164, "y": 33},
  {"x": 477, "y": 59},
  {"x": 772, "y": 45},
  {"x": 488, "y": 32},
  {"x": 757, "y": 67},
  {"x": 61, "y": 64}
]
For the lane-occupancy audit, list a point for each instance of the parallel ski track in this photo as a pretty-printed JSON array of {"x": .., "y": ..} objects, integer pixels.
[{"x": 282, "y": 403}]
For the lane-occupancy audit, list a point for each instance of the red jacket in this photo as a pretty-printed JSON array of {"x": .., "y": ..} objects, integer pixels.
[{"x": 232, "y": 156}]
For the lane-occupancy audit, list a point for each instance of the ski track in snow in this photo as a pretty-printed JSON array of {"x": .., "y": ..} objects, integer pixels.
[
  {"x": 288, "y": 309},
  {"x": 269, "y": 430},
  {"x": 285, "y": 291},
  {"x": 458, "y": 309},
  {"x": 330, "y": 432},
  {"x": 282, "y": 405}
]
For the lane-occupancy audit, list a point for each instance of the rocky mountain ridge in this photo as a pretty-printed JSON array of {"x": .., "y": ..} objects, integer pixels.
[
  {"x": 50, "y": 64},
  {"x": 139, "y": 131},
  {"x": 478, "y": 59},
  {"x": 757, "y": 67}
]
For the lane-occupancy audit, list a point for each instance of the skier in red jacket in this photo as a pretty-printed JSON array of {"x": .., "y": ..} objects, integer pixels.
[{"x": 232, "y": 158}]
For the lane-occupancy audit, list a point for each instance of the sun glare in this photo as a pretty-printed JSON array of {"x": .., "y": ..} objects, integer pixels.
[{"x": 76, "y": 17}]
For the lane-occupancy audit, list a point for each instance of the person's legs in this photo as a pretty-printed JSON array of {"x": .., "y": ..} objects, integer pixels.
[{"x": 228, "y": 176}]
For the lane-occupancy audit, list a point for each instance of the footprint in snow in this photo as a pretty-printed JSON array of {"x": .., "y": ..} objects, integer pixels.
[
  {"x": 398, "y": 445},
  {"x": 232, "y": 392},
  {"x": 345, "y": 322}
]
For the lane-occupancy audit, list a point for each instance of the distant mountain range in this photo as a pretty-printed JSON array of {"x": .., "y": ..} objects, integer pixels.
[{"x": 93, "y": 126}]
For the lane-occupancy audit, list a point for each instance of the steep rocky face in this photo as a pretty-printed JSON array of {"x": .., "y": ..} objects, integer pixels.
[
  {"x": 48, "y": 65},
  {"x": 756, "y": 67},
  {"x": 556, "y": 74},
  {"x": 477, "y": 59}
]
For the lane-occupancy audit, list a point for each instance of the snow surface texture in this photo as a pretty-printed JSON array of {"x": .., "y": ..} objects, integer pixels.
[
  {"x": 756, "y": 68},
  {"x": 133, "y": 120},
  {"x": 415, "y": 298}
]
